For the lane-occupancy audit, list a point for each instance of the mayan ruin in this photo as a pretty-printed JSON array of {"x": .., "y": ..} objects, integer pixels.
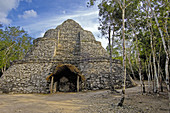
[
  {"x": 67, "y": 58},
  {"x": 84, "y": 56}
]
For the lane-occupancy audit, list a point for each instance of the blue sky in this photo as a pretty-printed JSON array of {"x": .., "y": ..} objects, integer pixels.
[{"x": 37, "y": 16}]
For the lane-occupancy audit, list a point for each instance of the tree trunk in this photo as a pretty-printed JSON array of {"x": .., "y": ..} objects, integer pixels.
[
  {"x": 161, "y": 86},
  {"x": 124, "y": 55},
  {"x": 149, "y": 77},
  {"x": 110, "y": 57},
  {"x": 155, "y": 73},
  {"x": 159, "y": 69},
  {"x": 133, "y": 82},
  {"x": 124, "y": 48},
  {"x": 131, "y": 67},
  {"x": 7, "y": 52},
  {"x": 113, "y": 81},
  {"x": 2, "y": 70}
]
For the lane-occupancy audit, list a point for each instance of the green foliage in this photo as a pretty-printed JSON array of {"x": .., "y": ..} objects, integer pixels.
[
  {"x": 109, "y": 15},
  {"x": 14, "y": 44}
]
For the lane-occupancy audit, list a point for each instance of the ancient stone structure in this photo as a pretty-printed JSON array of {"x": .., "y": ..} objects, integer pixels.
[{"x": 70, "y": 45}]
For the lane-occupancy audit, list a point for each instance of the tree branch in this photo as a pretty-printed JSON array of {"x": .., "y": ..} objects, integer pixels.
[
  {"x": 127, "y": 5},
  {"x": 119, "y": 4}
]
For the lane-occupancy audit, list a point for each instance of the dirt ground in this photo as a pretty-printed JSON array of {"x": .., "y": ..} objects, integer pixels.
[{"x": 101, "y": 101}]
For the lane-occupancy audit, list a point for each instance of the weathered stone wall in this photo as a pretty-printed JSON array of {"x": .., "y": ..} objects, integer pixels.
[
  {"x": 26, "y": 78},
  {"x": 93, "y": 50},
  {"x": 43, "y": 48},
  {"x": 97, "y": 75},
  {"x": 31, "y": 77}
]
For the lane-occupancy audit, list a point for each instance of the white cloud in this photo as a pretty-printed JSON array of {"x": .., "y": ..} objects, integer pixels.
[
  {"x": 28, "y": 14},
  {"x": 5, "y": 7}
]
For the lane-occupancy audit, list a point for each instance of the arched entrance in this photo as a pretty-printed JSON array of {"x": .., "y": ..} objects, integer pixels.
[{"x": 65, "y": 78}]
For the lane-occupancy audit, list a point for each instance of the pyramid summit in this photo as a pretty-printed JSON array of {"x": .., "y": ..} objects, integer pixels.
[
  {"x": 67, "y": 58},
  {"x": 69, "y": 26},
  {"x": 63, "y": 41}
]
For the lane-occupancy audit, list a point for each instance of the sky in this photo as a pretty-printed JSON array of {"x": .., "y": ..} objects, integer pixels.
[{"x": 37, "y": 16}]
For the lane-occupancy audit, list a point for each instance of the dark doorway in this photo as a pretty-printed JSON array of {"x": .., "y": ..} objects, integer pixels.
[{"x": 65, "y": 78}]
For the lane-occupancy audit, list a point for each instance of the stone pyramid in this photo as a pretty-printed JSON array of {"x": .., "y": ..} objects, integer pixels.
[{"x": 67, "y": 44}]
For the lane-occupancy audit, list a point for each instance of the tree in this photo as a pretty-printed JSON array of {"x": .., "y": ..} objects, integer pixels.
[
  {"x": 123, "y": 7},
  {"x": 107, "y": 26},
  {"x": 14, "y": 44}
]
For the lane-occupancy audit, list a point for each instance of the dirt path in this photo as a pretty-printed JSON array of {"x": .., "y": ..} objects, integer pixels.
[{"x": 84, "y": 102}]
